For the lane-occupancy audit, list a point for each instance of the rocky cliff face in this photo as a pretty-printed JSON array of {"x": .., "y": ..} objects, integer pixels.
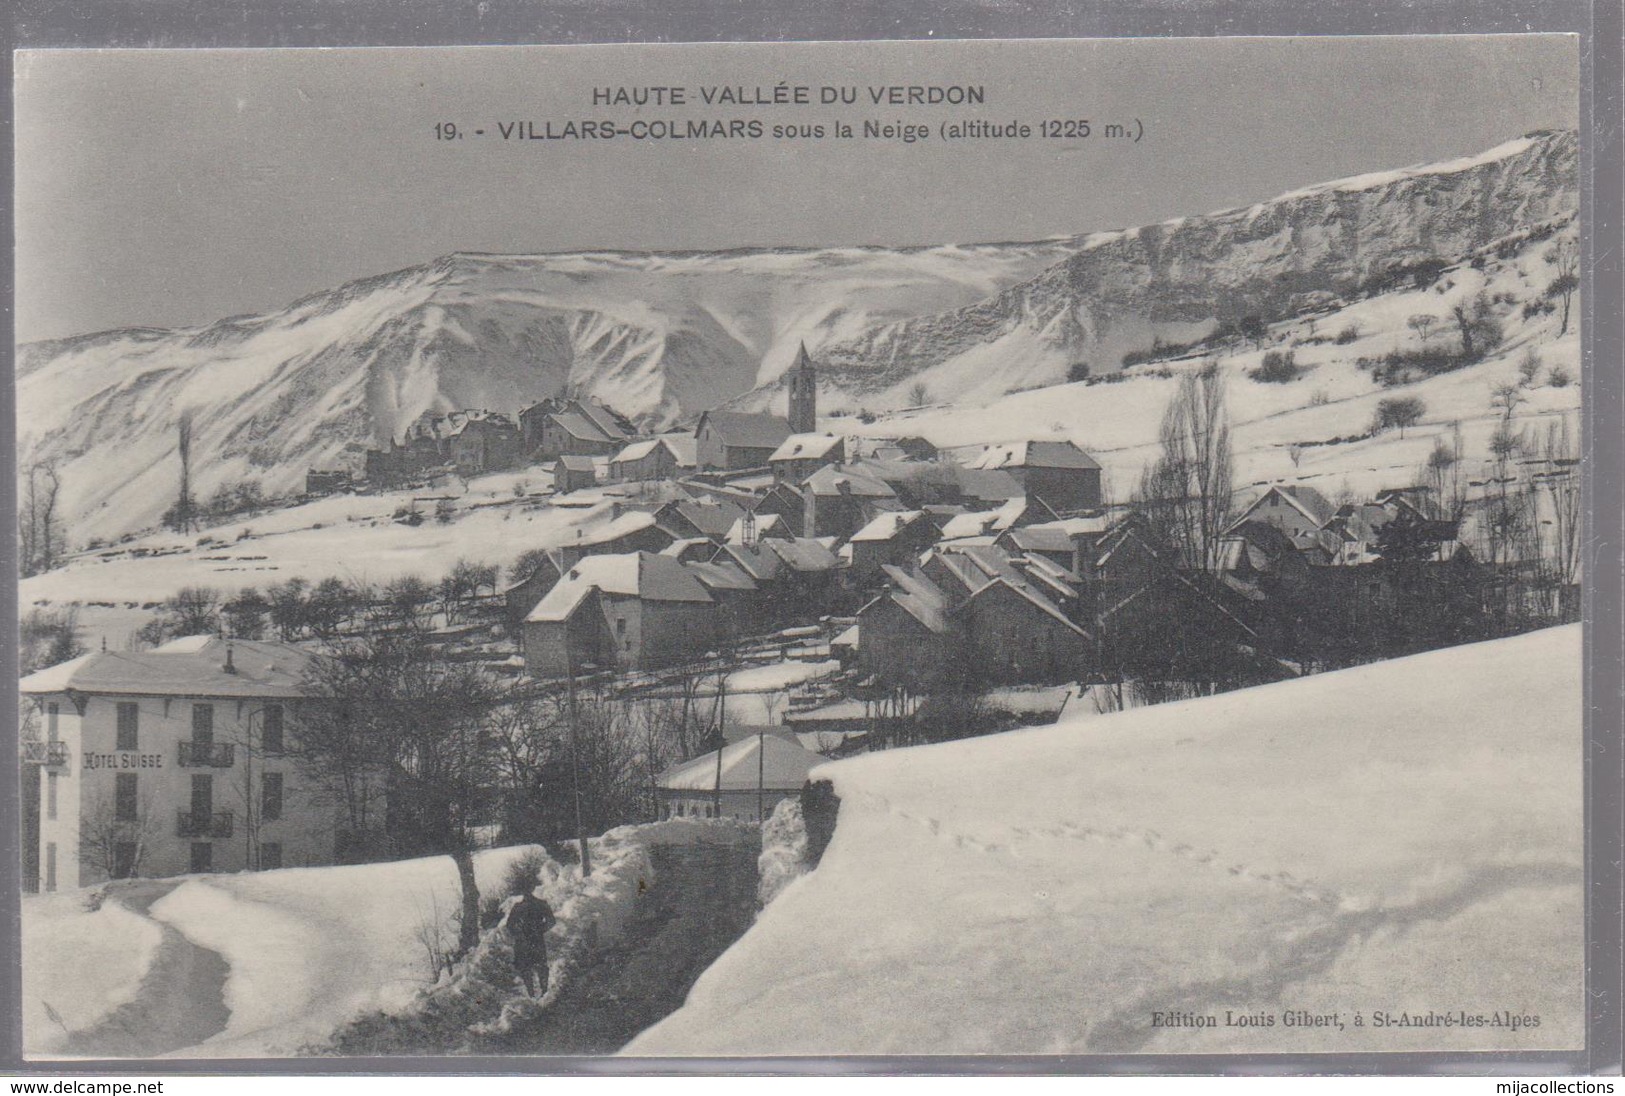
[
  {"x": 1177, "y": 279},
  {"x": 662, "y": 337}
]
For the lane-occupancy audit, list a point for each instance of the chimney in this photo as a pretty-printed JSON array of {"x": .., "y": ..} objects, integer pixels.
[{"x": 230, "y": 667}]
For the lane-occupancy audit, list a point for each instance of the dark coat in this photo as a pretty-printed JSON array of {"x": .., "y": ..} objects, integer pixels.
[{"x": 527, "y": 924}]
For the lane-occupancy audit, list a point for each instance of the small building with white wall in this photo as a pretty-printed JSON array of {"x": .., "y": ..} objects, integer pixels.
[{"x": 756, "y": 773}]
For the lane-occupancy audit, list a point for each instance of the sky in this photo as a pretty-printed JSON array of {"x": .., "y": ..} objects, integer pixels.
[{"x": 171, "y": 188}]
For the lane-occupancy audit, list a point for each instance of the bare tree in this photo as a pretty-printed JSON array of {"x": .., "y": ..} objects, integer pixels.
[
  {"x": 1444, "y": 473},
  {"x": 1480, "y": 331},
  {"x": 1561, "y": 479},
  {"x": 1400, "y": 411},
  {"x": 183, "y": 516},
  {"x": 193, "y": 610},
  {"x": 1567, "y": 280},
  {"x": 1528, "y": 367},
  {"x": 103, "y": 834},
  {"x": 1187, "y": 493},
  {"x": 1422, "y": 323},
  {"x": 393, "y": 707},
  {"x": 39, "y": 529}
]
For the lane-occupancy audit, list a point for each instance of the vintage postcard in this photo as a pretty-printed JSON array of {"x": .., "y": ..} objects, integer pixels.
[{"x": 1047, "y": 547}]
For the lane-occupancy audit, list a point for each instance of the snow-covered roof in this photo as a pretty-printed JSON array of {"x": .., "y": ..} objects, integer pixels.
[
  {"x": 1303, "y": 498},
  {"x": 764, "y": 526},
  {"x": 888, "y": 525},
  {"x": 1033, "y": 598},
  {"x": 628, "y": 523},
  {"x": 677, "y": 549},
  {"x": 575, "y": 462},
  {"x": 919, "y": 597},
  {"x": 807, "y": 447},
  {"x": 749, "y": 430},
  {"x": 976, "y": 524},
  {"x": 1034, "y": 454},
  {"x": 1086, "y": 526},
  {"x": 579, "y": 426},
  {"x": 723, "y": 575},
  {"x": 682, "y": 447},
  {"x": 770, "y": 761},
  {"x": 804, "y": 554},
  {"x": 638, "y": 450},
  {"x": 1038, "y": 538},
  {"x": 714, "y": 518},
  {"x": 836, "y": 479},
  {"x": 190, "y": 666},
  {"x": 758, "y": 560},
  {"x": 607, "y": 421},
  {"x": 988, "y": 485},
  {"x": 644, "y": 575}
]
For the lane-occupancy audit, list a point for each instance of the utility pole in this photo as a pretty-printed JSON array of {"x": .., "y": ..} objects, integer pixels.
[
  {"x": 722, "y": 738},
  {"x": 761, "y": 771},
  {"x": 575, "y": 765}
]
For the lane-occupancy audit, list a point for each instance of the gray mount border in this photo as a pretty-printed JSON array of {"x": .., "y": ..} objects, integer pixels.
[{"x": 302, "y": 23}]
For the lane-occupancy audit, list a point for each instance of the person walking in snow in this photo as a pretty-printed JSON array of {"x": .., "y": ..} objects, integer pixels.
[{"x": 527, "y": 924}]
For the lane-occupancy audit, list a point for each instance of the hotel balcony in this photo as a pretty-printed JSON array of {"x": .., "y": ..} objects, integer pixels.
[
  {"x": 189, "y": 824},
  {"x": 208, "y": 755},
  {"x": 53, "y": 754}
]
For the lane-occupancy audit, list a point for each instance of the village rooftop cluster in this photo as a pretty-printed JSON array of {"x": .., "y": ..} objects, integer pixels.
[{"x": 902, "y": 586}]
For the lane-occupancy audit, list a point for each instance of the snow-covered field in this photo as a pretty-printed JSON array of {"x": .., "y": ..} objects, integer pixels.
[
  {"x": 78, "y": 963},
  {"x": 1400, "y": 837}
]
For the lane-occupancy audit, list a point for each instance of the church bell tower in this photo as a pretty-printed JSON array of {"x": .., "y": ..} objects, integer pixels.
[{"x": 803, "y": 382}]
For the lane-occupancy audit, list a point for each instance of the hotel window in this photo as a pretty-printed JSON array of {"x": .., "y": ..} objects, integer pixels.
[
  {"x": 124, "y": 860},
  {"x": 50, "y": 866},
  {"x": 271, "y": 796},
  {"x": 270, "y": 855},
  {"x": 51, "y": 713},
  {"x": 271, "y": 736},
  {"x": 125, "y": 801},
  {"x": 129, "y": 718},
  {"x": 203, "y": 723},
  {"x": 50, "y": 796}
]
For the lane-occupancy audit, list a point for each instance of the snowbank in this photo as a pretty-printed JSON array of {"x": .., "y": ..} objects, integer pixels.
[
  {"x": 79, "y": 964},
  {"x": 1400, "y": 836},
  {"x": 784, "y": 851},
  {"x": 309, "y": 948}
]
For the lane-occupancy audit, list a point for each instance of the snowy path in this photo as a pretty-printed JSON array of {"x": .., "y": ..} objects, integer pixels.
[
  {"x": 703, "y": 900},
  {"x": 181, "y": 1000}
]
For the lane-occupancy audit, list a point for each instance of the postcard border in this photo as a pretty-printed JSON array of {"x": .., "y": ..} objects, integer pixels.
[{"x": 300, "y": 23}]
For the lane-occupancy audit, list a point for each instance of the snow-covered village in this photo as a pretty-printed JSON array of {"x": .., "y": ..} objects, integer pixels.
[{"x": 1162, "y": 639}]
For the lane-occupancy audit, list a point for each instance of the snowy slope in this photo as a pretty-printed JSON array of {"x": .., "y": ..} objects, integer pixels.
[
  {"x": 1400, "y": 836},
  {"x": 658, "y": 336},
  {"x": 1334, "y": 398}
]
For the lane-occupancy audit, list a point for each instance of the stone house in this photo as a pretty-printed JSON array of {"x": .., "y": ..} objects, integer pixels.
[
  {"x": 1065, "y": 477},
  {"x": 630, "y": 612},
  {"x": 734, "y": 440}
]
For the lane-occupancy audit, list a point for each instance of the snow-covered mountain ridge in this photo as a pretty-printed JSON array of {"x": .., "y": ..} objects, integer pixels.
[
  {"x": 1178, "y": 279},
  {"x": 663, "y": 336}
]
